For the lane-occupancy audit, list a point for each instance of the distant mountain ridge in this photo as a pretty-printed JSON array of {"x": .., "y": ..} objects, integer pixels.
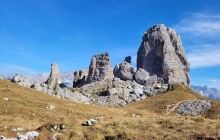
[
  {"x": 206, "y": 91},
  {"x": 66, "y": 77}
]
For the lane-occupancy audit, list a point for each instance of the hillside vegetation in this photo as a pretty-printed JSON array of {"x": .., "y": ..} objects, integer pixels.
[{"x": 146, "y": 119}]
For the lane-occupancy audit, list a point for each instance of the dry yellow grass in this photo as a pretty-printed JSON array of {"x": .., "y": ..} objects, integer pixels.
[{"x": 26, "y": 108}]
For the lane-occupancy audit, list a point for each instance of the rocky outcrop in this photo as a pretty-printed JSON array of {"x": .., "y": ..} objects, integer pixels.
[
  {"x": 128, "y": 59},
  {"x": 194, "y": 108},
  {"x": 80, "y": 78},
  {"x": 54, "y": 77},
  {"x": 17, "y": 79},
  {"x": 100, "y": 68},
  {"x": 161, "y": 53},
  {"x": 116, "y": 92},
  {"x": 124, "y": 71}
]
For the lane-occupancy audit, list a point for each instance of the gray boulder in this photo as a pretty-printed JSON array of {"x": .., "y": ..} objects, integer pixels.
[
  {"x": 74, "y": 96},
  {"x": 17, "y": 79},
  {"x": 124, "y": 71},
  {"x": 141, "y": 76},
  {"x": 138, "y": 92},
  {"x": 161, "y": 53},
  {"x": 152, "y": 80},
  {"x": 112, "y": 91}
]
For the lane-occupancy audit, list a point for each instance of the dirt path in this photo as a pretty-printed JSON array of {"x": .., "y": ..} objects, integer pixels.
[{"x": 171, "y": 108}]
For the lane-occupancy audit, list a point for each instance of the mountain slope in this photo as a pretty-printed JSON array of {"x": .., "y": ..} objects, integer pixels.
[
  {"x": 26, "y": 108},
  {"x": 180, "y": 93}
]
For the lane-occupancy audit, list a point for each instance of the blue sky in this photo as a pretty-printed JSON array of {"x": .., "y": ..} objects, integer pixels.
[{"x": 35, "y": 33}]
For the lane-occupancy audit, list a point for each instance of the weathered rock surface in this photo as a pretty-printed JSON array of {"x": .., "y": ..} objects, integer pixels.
[
  {"x": 194, "y": 108},
  {"x": 54, "y": 77},
  {"x": 161, "y": 53},
  {"x": 124, "y": 71},
  {"x": 17, "y": 79},
  {"x": 80, "y": 78},
  {"x": 128, "y": 59},
  {"x": 100, "y": 68},
  {"x": 116, "y": 92},
  {"x": 141, "y": 76}
]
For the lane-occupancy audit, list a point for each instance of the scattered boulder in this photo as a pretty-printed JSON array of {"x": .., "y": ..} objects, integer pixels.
[
  {"x": 17, "y": 79},
  {"x": 112, "y": 91},
  {"x": 141, "y": 76},
  {"x": 152, "y": 80},
  {"x": 17, "y": 129},
  {"x": 90, "y": 122},
  {"x": 54, "y": 136},
  {"x": 161, "y": 53},
  {"x": 27, "y": 136},
  {"x": 51, "y": 107},
  {"x": 124, "y": 71},
  {"x": 54, "y": 78},
  {"x": 6, "y": 99},
  {"x": 100, "y": 68}
]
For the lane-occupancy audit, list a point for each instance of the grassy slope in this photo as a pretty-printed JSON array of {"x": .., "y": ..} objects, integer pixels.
[
  {"x": 181, "y": 92},
  {"x": 26, "y": 108}
]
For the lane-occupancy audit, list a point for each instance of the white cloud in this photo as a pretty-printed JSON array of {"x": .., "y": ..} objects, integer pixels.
[
  {"x": 214, "y": 80},
  {"x": 207, "y": 56},
  {"x": 200, "y": 24},
  {"x": 10, "y": 68}
]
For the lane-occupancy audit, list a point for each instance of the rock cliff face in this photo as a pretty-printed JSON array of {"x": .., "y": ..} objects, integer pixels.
[
  {"x": 54, "y": 77},
  {"x": 80, "y": 78},
  {"x": 100, "y": 68},
  {"x": 161, "y": 53}
]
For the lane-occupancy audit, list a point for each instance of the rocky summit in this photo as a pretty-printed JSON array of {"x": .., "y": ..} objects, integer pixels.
[
  {"x": 161, "y": 53},
  {"x": 54, "y": 77},
  {"x": 100, "y": 68},
  {"x": 80, "y": 77}
]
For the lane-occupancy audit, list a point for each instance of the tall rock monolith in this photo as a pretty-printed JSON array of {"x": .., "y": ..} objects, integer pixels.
[
  {"x": 161, "y": 53},
  {"x": 100, "y": 68},
  {"x": 54, "y": 77}
]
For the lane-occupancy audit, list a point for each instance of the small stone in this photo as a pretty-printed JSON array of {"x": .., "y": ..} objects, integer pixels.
[
  {"x": 6, "y": 99},
  {"x": 89, "y": 123}
]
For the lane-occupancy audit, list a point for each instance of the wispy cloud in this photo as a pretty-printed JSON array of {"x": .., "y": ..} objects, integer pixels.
[
  {"x": 214, "y": 80},
  {"x": 11, "y": 68},
  {"x": 206, "y": 56},
  {"x": 200, "y": 24},
  {"x": 201, "y": 27}
]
